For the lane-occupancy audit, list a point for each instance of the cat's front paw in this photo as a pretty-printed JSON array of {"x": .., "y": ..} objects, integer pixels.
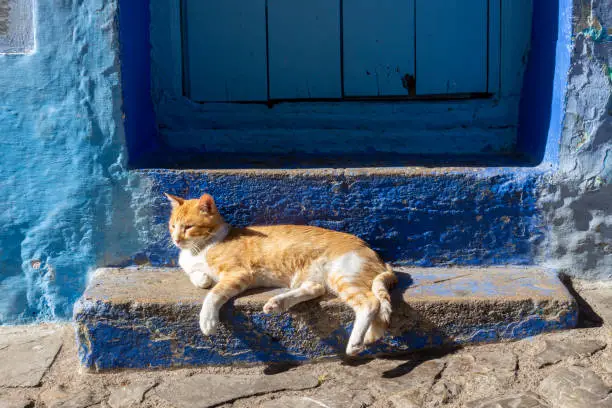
[
  {"x": 208, "y": 323},
  {"x": 354, "y": 349},
  {"x": 200, "y": 280},
  {"x": 274, "y": 306}
]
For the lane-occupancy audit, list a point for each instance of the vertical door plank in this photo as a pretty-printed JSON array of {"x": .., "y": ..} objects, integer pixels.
[
  {"x": 451, "y": 46},
  {"x": 166, "y": 47},
  {"x": 515, "y": 43},
  {"x": 494, "y": 83},
  {"x": 304, "y": 49},
  {"x": 226, "y": 50},
  {"x": 378, "y": 47}
]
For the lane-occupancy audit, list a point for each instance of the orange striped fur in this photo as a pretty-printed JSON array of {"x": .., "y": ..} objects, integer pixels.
[{"x": 310, "y": 261}]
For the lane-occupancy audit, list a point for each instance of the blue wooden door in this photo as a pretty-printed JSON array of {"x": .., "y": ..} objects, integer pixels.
[
  {"x": 378, "y": 39},
  {"x": 276, "y": 50},
  {"x": 304, "y": 49},
  {"x": 225, "y": 50},
  {"x": 451, "y": 46}
]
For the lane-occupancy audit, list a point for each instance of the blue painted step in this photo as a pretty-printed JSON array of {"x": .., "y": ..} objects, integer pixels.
[
  {"x": 412, "y": 216},
  {"x": 148, "y": 317}
]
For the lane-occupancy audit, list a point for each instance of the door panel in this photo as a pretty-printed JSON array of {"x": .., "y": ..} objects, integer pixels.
[
  {"x": 451, "y": 46},
  {"x": 304, "y": 49},
  {"x": 225, "y": 42},
  {"x": 378, "y": 39}
]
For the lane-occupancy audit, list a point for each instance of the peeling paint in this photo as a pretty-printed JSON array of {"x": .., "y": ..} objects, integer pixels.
[
  {"x": 576, "y": 202},
  {"x": 412, "y": 216},
  {"x": 117, "y": 328},
  {"x": 5, "y": 9},
  {"x": 17, "y": 26},
  {"x": 409, "y": 83},
  {"x": 67, "y": 204}
]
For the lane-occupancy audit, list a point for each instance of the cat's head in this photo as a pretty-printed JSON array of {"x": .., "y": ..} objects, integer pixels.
[{"x": 193, "y": 222}]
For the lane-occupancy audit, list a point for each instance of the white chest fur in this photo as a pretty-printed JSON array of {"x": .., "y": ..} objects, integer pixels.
[{"x": 196, "y": 264}]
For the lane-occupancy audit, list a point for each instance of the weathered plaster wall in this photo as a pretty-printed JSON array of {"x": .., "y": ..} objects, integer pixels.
[
  {"x": 577, "y": 199},
  {"x": 16, "y": 26},
  {"x": 69, "y": 204},
  {"x": 65, "y": 203}
]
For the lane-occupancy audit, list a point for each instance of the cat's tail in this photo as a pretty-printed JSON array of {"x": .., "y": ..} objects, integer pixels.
[{"x": 380, "y": 287}]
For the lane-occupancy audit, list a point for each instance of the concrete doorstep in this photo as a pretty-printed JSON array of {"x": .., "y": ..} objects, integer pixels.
[{"x": 148, "y": 317}]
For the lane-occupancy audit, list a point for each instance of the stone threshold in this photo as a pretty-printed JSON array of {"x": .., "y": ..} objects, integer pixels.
[{"x": 148, "y": 317}]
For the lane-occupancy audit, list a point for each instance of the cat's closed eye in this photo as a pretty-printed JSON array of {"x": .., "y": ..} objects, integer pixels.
[{"x": 188, "y": 227}]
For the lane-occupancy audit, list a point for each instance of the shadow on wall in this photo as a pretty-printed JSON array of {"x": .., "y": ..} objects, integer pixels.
[{"x": 537, "y": 101}]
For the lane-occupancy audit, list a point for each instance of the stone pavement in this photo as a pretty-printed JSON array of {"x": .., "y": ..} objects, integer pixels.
[{"x": 572, "y": 369}]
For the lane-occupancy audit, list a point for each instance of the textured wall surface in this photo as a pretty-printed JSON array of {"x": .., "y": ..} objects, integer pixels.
[
  {"x": 148, "y": 317},
  {"x": 65, "y": 203},
  {"x": 577, "y": 200},
  {"x": 17, "y": 26},
  {"x": 69, "y": 204},
  {"x": 448, "y": 216}
]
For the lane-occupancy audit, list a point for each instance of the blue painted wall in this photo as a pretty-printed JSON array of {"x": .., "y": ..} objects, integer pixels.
[
  {"x": 576, "y": 199},
  {"x": 65, "y": 202},
  {"x": 418, "y": 217},
  {"x": 71, "y": 204}
]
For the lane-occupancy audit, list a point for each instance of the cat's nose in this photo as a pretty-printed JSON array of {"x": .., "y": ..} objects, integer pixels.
[{"x": 178, "y": 241}]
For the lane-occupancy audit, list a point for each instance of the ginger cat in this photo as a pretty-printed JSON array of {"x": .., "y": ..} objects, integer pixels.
[{"x": 308, "y": 260}]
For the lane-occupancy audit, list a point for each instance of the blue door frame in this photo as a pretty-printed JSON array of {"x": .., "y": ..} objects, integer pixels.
[{"x": 153, "y": 116}]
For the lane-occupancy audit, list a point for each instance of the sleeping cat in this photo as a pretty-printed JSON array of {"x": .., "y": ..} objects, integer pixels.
[{"x": 310, "y": 261}]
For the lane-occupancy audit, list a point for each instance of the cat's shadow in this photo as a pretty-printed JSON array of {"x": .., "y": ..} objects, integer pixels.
[
  {"x": 279, "y": 368},
  {"x": 407, "y": 361},
  {"x": 415, "y": 359}
]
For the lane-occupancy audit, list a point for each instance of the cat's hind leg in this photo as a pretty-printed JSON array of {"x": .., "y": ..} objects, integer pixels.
[
  {"x": 284, "y": 301},
  {"x": 366, "y": 306}
]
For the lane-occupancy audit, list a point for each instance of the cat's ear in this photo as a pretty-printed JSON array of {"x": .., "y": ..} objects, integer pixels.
[
  {"x": 207, "y": 204},
  {"x": 174, "y": 200}
]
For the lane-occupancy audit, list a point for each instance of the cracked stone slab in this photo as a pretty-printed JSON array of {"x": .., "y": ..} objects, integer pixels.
[
  {"x": 130, "y": 395},
  {"x": 500, "y": 365},
  {"x": 327, "y": 399},
  {"x": 29, "y": 351},
  {"x": 445, "y": 391},
  {"x": 558, "y": 350},
  {"x": 15, "y": 401},
  {"x": 294, "y": 402},
  {"x": 409, "y": 390},
  {"x": 575, "y": 387},
  {"x": 490, "y": 366},
  {"x": 202, "y": 391},
  {"x": 409, "y": 399},
  {"x": 489, "y": 363},
  {"x": 60, "y": 397},
  {"x": 432, "y": 307},
  {"x": 420, "y": 377},
  {"x": 607, "y": 363},
  {"x": 599, "y": 297},
  {"x": 527, "y": 400},
  {"x": 457, "y": 367}
]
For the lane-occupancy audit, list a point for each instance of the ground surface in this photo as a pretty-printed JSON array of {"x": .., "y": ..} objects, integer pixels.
[{"x": 572, "y": 369}]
